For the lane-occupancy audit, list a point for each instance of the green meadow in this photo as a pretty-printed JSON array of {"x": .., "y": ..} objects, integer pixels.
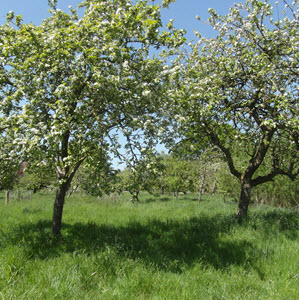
[{"x": 160, "y": 248}]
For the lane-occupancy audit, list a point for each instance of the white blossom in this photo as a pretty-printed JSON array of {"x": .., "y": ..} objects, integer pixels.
[{"x": 145, "y": 93}]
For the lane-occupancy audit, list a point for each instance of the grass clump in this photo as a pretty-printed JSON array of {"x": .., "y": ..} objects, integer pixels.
[{"x": 160, "y": 248}]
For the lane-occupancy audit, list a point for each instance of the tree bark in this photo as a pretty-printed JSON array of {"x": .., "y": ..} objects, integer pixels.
[
  {"x": 60, "y": 197},
  {"x": 58, "y": 209},
  {"x": 6, "y": 197},
  {"x": 244, "y": 200}
]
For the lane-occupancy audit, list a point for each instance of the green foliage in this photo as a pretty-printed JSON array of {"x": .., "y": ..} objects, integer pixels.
[
  {"x": 153, "y": 250},
  {"x": 281, "y": 192},
  {"x": 8, "y": 177},
  {"x": 9, "y": 162},
  {"x": 177, "y": 175},
  {"x": 228, "y": 185},
  {"x": 95, "y": 177},
  {"x": 36, "y": 179},
  {"x": 141, "y": 176}
]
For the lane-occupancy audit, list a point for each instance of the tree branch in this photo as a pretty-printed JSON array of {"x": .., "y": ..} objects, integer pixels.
[
  {"x": 275, "y": 172},
  {"x": 215, "y": 140}
]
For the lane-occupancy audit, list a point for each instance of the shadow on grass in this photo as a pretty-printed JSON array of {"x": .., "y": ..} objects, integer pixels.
[
  {"x": 156, "y": 199},
  {"x": 168, "y": 245},
  {"x": 275, "y": 221},
  {"x": 168, "y": 198}
]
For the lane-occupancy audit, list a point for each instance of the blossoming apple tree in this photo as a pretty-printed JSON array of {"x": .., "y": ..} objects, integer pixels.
[
  {"x": 67, "y": 85},
  {"x": 240, "y": 91}
]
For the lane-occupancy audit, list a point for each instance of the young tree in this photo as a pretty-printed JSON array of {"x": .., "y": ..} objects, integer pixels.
[
  {"x": 140, "y": 174},
  {"x": 203, "y": 161},
  {"x": 176, "y": 174},
  {"x": 96, "y": 176},
  {"x": 70, "y": 82},
  {"x": 240, "y": 90}
]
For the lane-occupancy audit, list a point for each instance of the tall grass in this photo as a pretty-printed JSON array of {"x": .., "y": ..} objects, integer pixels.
[{"x": 161, "y": 248}]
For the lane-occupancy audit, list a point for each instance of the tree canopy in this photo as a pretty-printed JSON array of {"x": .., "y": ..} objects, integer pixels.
[
  {"x": 68, "y": 84},
  {"x": 239, "y": 92}
]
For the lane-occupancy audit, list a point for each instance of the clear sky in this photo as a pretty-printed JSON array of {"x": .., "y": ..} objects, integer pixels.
[{"x": 183, "y": 11}]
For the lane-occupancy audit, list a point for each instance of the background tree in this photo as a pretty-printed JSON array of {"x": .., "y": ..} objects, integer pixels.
[
  {"x": 176, "y": 175},
  {"x": 69, "y": 83},
  {"x": 240, "y": 91},
  {"x": 204, "y": 162},
  {"x": 96, "y": 176},
  {"x": 35, "y": 179},
  {"x": 205, "y": 173},
  {"x": 141, "y": 174}
]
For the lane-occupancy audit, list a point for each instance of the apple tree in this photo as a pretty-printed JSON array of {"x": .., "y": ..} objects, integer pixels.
[
  {"x": 239, "y": 90},
  {"x": 68, "y": 84}
]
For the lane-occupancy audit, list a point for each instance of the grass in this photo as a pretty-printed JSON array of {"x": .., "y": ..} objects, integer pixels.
[{"x": 161, "y": 248}]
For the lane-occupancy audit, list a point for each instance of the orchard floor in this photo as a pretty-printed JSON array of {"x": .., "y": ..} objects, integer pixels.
[{"x": 160, "y": 248}]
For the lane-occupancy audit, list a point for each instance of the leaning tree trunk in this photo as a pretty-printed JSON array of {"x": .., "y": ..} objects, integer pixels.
[
  {"x": 244, "y": 200},
  {"x": 58, "y": 208}
]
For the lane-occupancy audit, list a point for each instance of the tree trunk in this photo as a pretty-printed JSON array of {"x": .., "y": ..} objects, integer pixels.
[
  {"x": 244, "y": 200},
  {"x": 73, "y": 190},
  {"x": 18, "y": 195},
  {"x": 135, "y": 197},
  {"x": 214, "y": 187},
  {"x": 199, "y": 196},
  {"x": 60, "y": 196},
  {"x": 201, "y": 190},
  {"x": 58, "y": 209},
  {"x": 6, "y": 197}
]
